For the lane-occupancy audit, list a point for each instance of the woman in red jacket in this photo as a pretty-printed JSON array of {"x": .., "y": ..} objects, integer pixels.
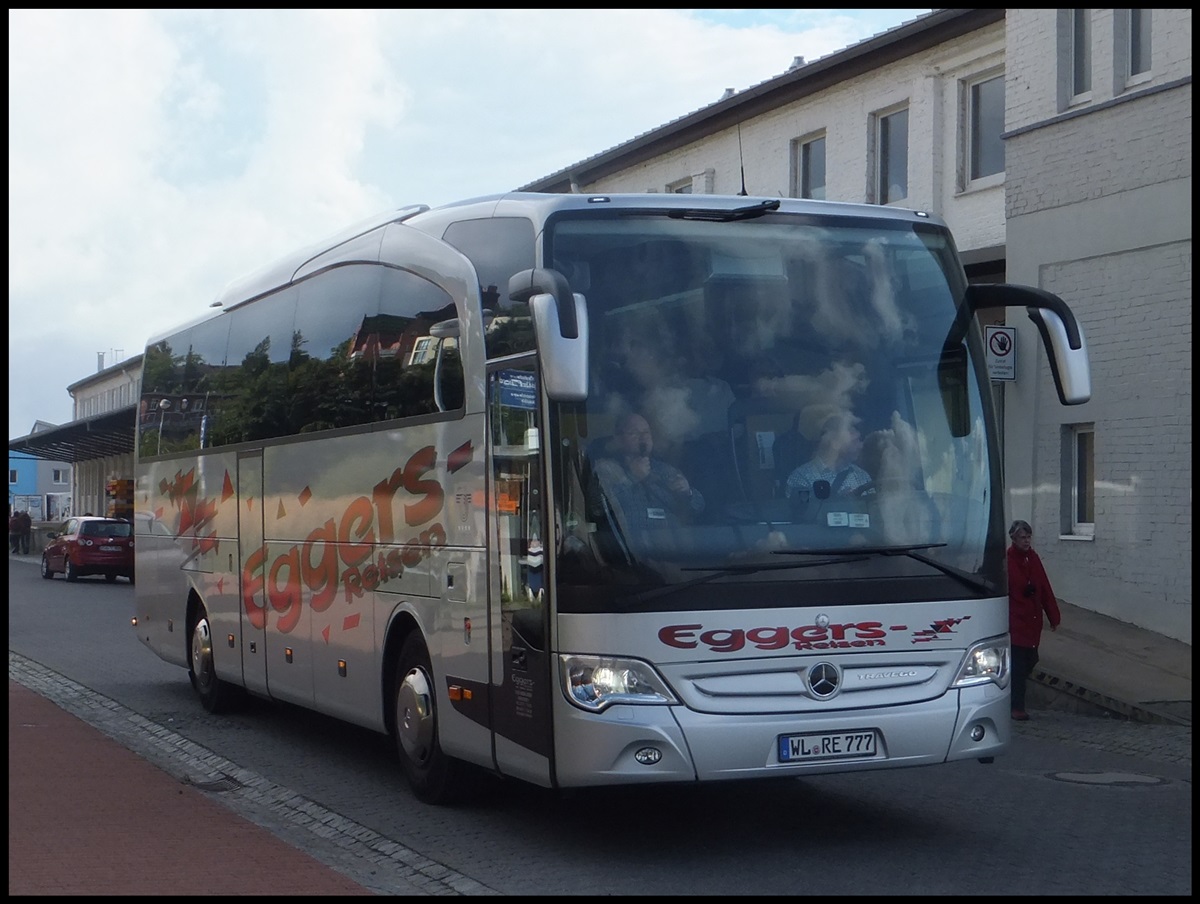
[{"x": 1029, "y": 595}]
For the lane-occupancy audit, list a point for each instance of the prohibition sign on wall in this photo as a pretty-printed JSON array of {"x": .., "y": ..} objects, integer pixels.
[{"x": 1001, "y": 352}]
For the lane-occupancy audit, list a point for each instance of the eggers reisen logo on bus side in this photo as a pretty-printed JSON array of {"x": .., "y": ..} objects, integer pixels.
[{"x": 356, "y": 552}]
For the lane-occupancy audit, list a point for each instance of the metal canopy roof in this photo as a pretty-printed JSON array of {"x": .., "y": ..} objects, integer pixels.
[{"x": 106, "y": 434}]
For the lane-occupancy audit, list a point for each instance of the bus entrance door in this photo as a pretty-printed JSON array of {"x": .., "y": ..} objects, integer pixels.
[
  {"x": 522, "y": 679},
  {"x": 252, "y": 596}
]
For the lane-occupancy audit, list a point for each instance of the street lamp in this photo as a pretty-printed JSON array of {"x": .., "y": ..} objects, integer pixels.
[{"x": 163, "y": 406}]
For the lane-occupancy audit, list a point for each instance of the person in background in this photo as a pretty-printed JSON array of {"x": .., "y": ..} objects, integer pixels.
[
  {"x": 1029, "y": 596},
  {"x": 533, "y": 560},
  {"x": 26, "y": 531},
  {"x": 14, "y": 533}
]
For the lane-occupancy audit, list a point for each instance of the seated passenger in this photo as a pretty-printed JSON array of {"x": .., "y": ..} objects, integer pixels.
[
  {"x": 643, "y": 492},
  {"x": 834, "y": 461}
]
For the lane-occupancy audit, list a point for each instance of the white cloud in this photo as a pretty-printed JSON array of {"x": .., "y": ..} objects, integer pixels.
[{"x": 157, "y": 155}]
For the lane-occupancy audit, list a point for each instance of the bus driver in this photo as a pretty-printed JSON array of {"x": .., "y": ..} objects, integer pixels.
[{"x": 645, "y": 492}]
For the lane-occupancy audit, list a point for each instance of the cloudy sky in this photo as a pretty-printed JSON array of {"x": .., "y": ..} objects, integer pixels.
[{"x": 157, "y": 155}]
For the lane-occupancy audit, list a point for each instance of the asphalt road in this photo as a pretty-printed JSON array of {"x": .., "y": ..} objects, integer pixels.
[{"x": 1080, "y": 805}]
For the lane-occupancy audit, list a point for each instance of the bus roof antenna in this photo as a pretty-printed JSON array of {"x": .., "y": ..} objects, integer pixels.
[{"x": 741, "y": 161}]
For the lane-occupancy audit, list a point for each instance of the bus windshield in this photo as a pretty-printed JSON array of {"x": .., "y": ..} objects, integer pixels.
[{"x": 783, "y": 400}]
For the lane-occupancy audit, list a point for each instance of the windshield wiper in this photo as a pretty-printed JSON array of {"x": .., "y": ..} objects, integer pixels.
[
  {"x": 726, "y": 570},
  {"x": 910, "y": 552},
  {"x": 725, "y": 216}
]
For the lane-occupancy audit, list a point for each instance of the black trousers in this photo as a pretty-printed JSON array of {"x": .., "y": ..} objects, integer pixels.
[{"x": 1023, "y": 661}]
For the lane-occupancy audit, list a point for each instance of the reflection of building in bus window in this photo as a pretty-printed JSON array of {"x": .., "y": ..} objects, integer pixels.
[
  {"x": 907, "y": 513},
  {"x": 854, "y": 301},
  {"x": 892, "y": 456},
  {"x": 709, "y": 395},
  {"x": 641, "y": 354},
  {"x": 679, "y": 391}
]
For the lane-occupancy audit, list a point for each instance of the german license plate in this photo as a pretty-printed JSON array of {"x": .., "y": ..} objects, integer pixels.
[
  {"x": 110, "y": 549},
  {"x": 826, "y": 745}
]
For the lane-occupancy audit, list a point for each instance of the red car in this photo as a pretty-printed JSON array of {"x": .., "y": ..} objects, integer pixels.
[{"x": 90, "y": 545}]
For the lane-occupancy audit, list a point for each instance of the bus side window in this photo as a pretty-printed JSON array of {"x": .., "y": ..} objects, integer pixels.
[{"x": 498, "y": 247}]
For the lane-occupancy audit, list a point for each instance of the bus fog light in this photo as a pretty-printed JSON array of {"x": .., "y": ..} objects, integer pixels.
[{"x": 648, "y": 756}]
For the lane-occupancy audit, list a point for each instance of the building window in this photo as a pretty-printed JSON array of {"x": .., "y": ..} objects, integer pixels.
[
  {"x": 702, "y": 183},
  {"x": 1131, "y": 48},
  {"x": 1139, "y": 41},
  {"x": 1081, "y": 51},
  {"x": 58, "y": 475},
  {"x": 809, "y": 169},
  {"x": 891, "y": 147},
  {"x": 1080, "y": 454},
  {"x": 12, "y": 475},
  {"x": 424, "y": 350},
  {"x": 985, "y": 113}
]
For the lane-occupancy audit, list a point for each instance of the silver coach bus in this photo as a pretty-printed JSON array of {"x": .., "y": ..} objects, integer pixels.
[{"x": 596, "y": 489}]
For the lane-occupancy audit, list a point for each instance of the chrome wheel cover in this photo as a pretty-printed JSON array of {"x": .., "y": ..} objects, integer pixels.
[
  {"x": 202, "y": 655},
  {"x": 415, "y": 722}
]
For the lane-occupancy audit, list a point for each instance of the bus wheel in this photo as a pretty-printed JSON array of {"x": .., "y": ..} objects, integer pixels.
[
  {"x": 215, "y": 694},
  {"x": 433, "y": 775}
]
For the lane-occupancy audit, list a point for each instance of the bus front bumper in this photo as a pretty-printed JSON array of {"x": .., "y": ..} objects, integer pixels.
[{"x": 650, "y": 744}]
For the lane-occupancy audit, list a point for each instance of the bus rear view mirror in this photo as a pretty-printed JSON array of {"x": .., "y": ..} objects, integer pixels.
[
  {"x": 528, "y": 283},
  {"x": 1061, "y": 334},
  {"x": 1068, "y": 361},
  {"x": 564, "y": 359},
  {"x": 561, "y": 327}
]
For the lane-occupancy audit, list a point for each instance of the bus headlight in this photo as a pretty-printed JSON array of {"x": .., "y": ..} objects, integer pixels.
[
  {"x": 987, "y": 661},
  {"x": 597, "y": 682}
]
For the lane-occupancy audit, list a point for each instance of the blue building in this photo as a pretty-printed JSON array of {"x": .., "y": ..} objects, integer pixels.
[{"x": 39, "y": 486}]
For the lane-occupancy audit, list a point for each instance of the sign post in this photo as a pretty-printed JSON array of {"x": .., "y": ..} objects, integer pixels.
[{"x": 1001, "y": 352}]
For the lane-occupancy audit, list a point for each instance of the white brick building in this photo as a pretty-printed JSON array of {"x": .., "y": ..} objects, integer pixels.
[
  {"x": 1091, "y": 200},
  {"x": 1099, "y": 211}
]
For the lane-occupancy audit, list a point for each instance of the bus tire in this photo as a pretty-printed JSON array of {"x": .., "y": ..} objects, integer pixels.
[
  {"x": 215, "y": 695},
  {"x": 434, "y": 777}
]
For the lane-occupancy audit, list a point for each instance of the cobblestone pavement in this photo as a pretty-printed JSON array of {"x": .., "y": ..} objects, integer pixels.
[{"x": 1160, "y": 743}]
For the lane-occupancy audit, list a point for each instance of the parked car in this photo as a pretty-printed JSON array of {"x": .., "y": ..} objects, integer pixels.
[{"x": 90, "y": 545}]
